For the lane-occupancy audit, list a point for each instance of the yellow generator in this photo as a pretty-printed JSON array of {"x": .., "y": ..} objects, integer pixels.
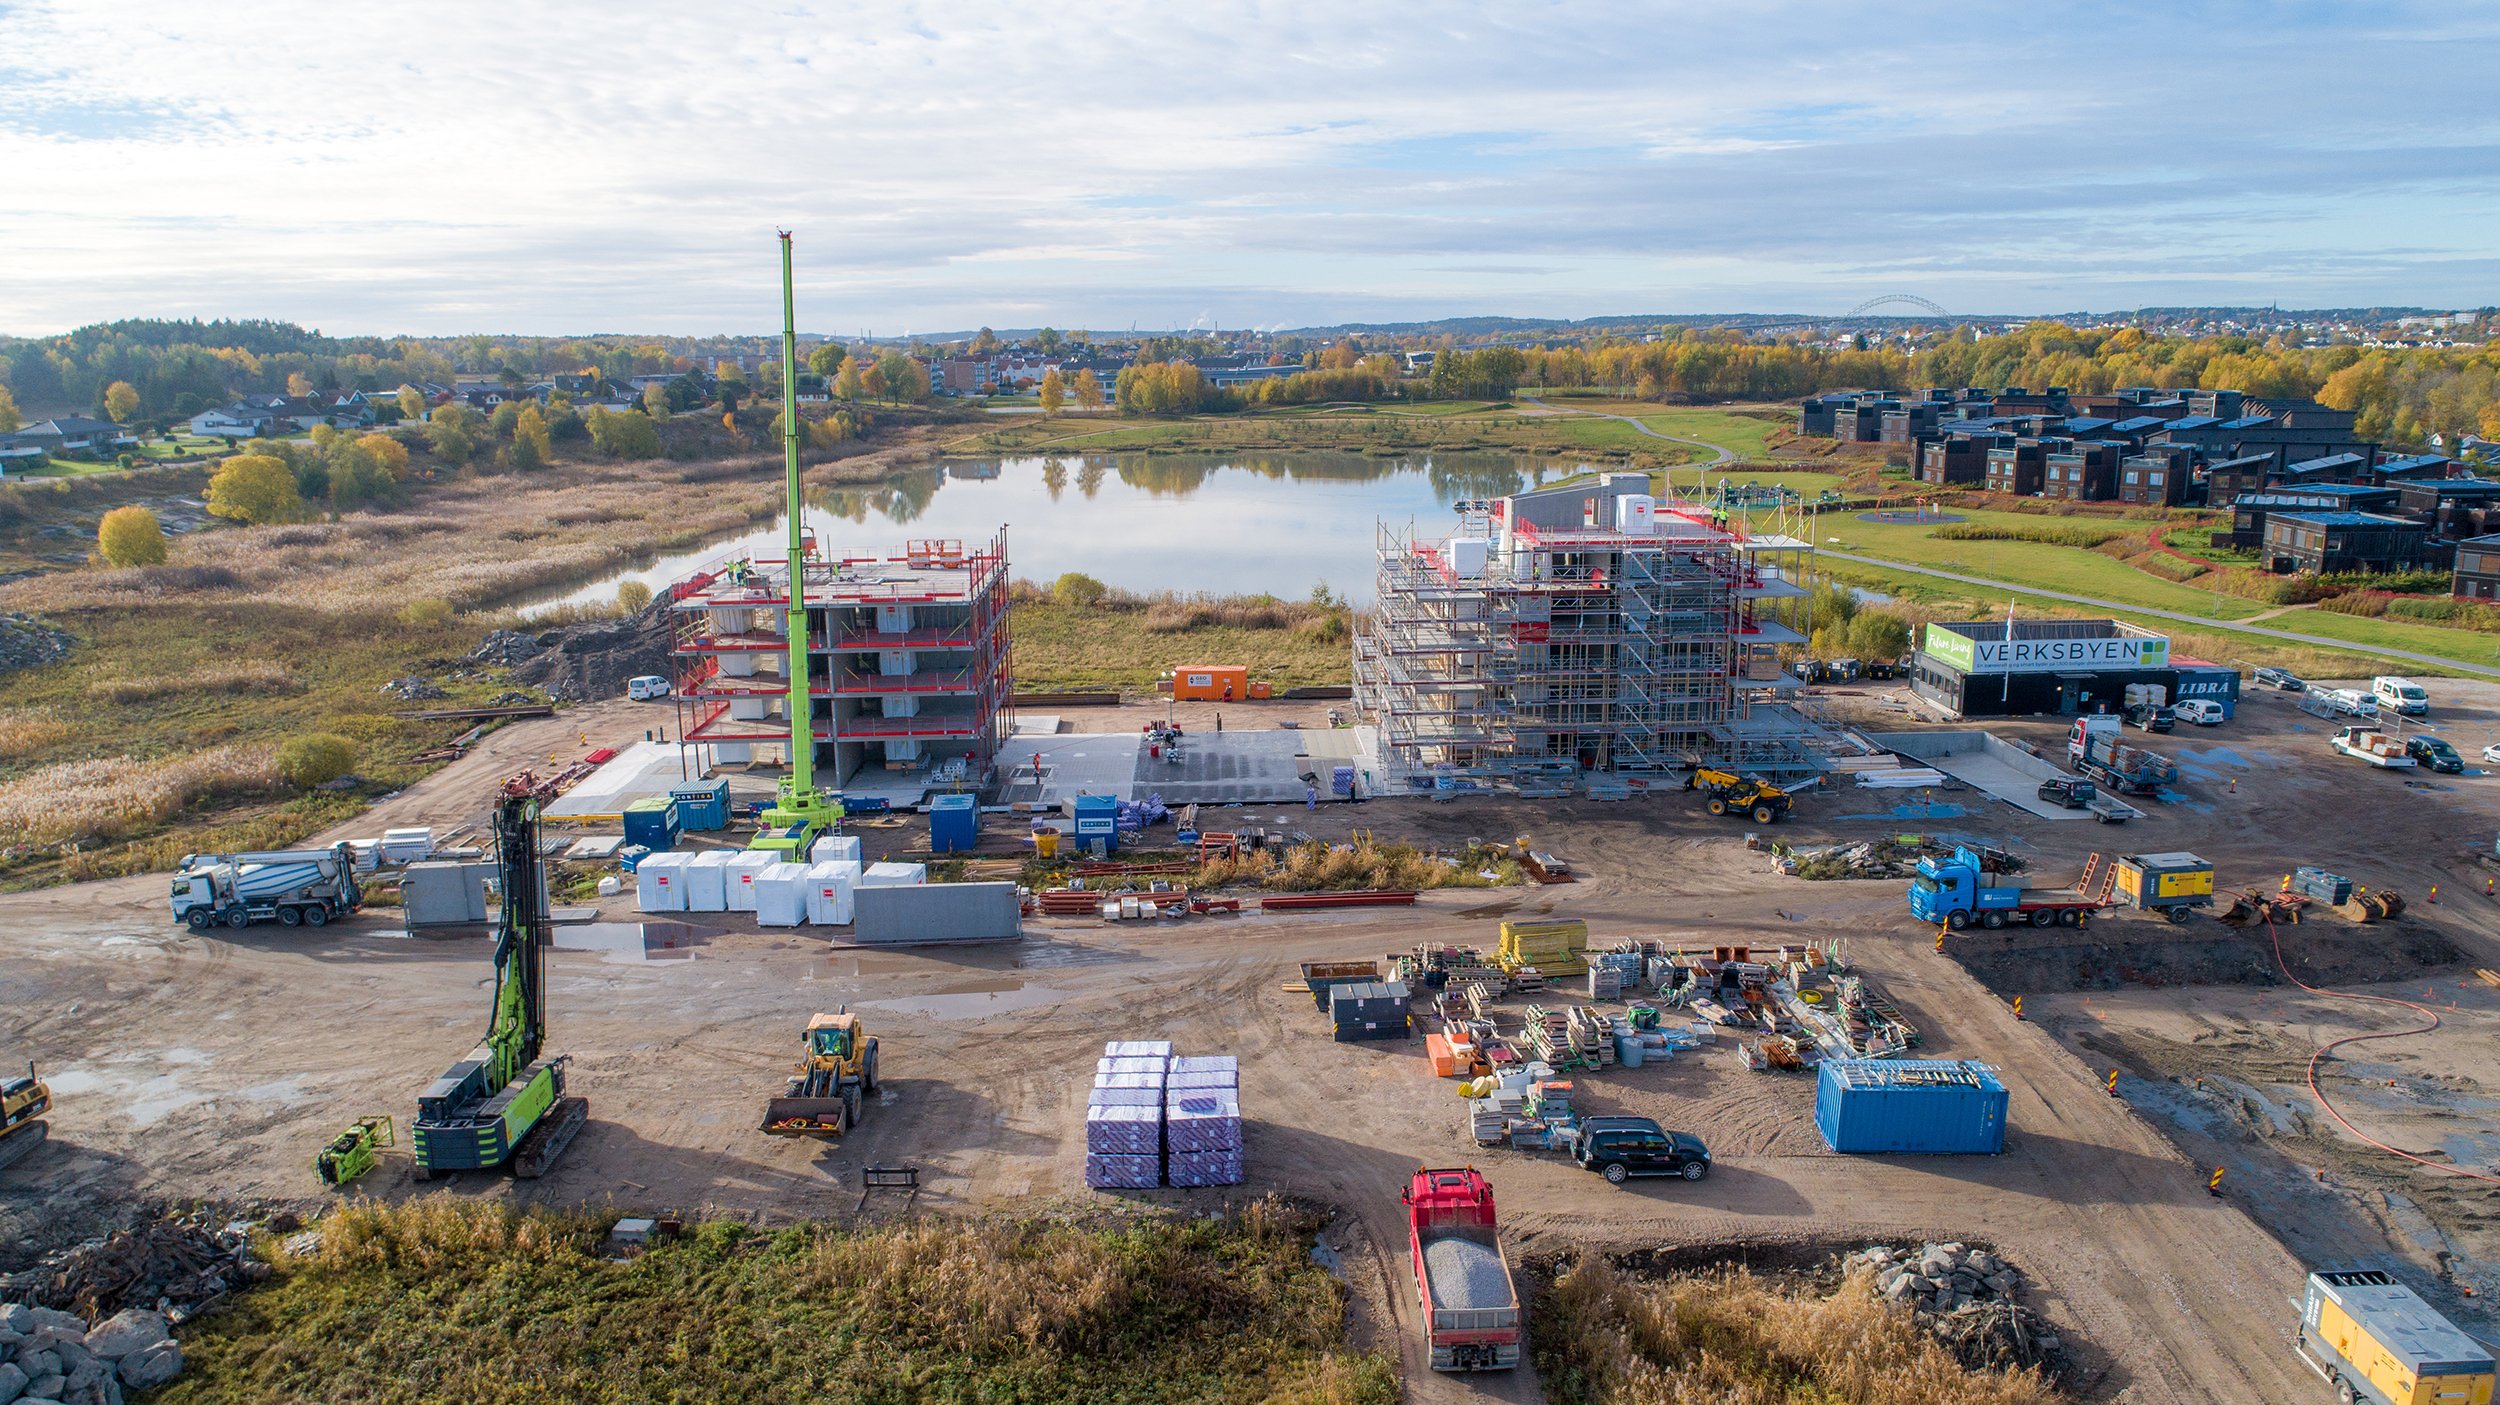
[
  {"x": 2169, "y": 883},
  {"x": 2373, "y": 1339},
  {"x": 1553, "y": 948}
]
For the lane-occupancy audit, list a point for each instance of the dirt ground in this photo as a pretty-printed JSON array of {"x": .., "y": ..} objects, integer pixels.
[{"x": 216, "y": 1065}]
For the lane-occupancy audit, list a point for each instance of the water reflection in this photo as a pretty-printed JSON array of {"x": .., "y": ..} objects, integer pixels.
[{"x": 1280, "y": 522}]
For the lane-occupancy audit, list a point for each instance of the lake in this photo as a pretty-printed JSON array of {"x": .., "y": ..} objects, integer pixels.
[{"x": 1223, "y": 524}]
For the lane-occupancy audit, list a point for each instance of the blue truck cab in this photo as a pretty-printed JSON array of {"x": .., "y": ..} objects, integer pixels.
[{"x": 1945, "y": 888}]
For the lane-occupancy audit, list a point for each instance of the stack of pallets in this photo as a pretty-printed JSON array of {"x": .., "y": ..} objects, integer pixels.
[
  {"x": 1592, "y": 1036},
  {"x": 1548, "y": 1037}
]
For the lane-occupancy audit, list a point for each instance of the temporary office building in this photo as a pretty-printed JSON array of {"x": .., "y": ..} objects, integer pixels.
[
  {"x": 1907, "y": 1105},
  {"x": 781, "y": 895},
  {"x": 743, "y": 866},
  {"x": 660, "y": 882},
  {"x": 707, "y": 880},
  {"x": 894, "y": 875},
  {"x": 829, "y": 888},
  {"x": 835, "y": 847}
]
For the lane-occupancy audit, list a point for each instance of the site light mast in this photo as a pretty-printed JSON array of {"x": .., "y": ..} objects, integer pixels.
[{"x": 801, "y": 812}]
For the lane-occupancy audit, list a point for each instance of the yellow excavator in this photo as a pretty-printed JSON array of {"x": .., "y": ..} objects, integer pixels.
[
  {"x": 23, "y": 1102},
  {"x": 1732, "y": 794},
  {"x": 829, "y": 1088}
]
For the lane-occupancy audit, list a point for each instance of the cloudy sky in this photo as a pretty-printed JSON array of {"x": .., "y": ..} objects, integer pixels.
[{"x": 544, "y": 168}]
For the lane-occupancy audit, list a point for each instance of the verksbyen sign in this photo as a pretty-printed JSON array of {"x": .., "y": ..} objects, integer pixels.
[{"x": 2067, "y": 655}]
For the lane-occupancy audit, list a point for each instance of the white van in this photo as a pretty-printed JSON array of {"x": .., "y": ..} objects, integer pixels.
[
  {"x": 646, "y": 688},
  {"x": 2204, "y": 712},
  {"x": 2400, "y": 695}
]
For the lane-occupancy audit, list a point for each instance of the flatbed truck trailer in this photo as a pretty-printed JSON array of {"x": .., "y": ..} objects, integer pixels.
[
  {"x": 1960, "y": 891},
  {"x": 1472, "y": 1317},
  {"x": 2371, "y": 1338}
]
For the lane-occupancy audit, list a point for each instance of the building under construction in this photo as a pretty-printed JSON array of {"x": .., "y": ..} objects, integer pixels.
[
  {"x": 907, "y": 663},
  {"x": 1584, "y": 629}
]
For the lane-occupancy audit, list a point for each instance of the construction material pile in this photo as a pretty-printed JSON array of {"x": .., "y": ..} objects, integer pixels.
[
  {"x": 177, "y": 1266},
  {"x": 1896, "y": 857},
  {"x": 1551, "y": 948},
  {"x": 46, "y": 1354},
  {"x": 1969, "y": 1298},
  {"x": 1154, "y": 1119}
]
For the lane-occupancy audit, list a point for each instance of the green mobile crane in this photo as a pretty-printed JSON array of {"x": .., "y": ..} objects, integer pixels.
[
  {"x": 800, "y": 813},
  {"x": 504, "y": 1105}
]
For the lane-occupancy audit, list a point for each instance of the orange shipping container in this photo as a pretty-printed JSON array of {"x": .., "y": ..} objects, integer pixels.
[{"x": 1210, "y": 683}]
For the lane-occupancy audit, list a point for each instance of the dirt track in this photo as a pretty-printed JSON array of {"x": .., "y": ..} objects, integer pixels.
[{"x": 217, "y": 1065}]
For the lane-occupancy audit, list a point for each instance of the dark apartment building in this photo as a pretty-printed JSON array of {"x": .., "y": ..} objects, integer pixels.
[
  {"x": 2323, "y": 543},
  {"x": 2249, "y": 510},
  {"x": 1957, "y": 460},
  {"x": 2394, "y": 468},
  {"x": 2017, "y": 467},
  {"x": 2477, "y": 575},
  {"x": 2083, "y": 472},
  {"x": 2455, "y": 508},
  {"x": 2158, "y": 477}
]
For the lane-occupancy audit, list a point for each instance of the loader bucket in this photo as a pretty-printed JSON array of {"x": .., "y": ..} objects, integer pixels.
[{"x": 803, "y": 1117}]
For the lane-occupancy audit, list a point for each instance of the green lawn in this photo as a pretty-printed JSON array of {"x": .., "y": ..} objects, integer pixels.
[
  {"x": 2028, "y": 563},
  {"x": 1741, "y": 435},
  {"x": 60, "y": 468},
  {"x": 2464, "y": 645}
]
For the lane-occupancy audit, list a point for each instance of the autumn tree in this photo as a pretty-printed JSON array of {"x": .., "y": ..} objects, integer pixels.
[
  {"x": 655, "y": 400},
  {"x": 254, "y": 489},
  {"x": 505, "y": 416},
  {"x": 850, "y": 380},
  {"x": 130, "y": 536},
  {"x": 826, "y": 358},
  {"x": 411, "y": 403},
  {"x": 623, "y": 434},
  {"x": 905, "y": 378},
  {"x": 121, "y": 401},
  {"x": 984, "y": 342},
  {"x": 388, "y": 453},
  {"x": 1054, "y": 394},
  {"x": 298, "y": 384},
  {"x": 1088, "y": 390},
  {"x": 9, "y": 420},
  {"x": 452, "y": 433}
]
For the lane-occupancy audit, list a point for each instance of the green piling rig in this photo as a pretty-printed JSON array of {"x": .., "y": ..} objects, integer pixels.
[{"x": 800, "y": 812}]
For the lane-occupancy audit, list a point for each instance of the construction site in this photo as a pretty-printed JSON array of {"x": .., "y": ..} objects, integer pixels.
[{"x": 1708, "y": 968}]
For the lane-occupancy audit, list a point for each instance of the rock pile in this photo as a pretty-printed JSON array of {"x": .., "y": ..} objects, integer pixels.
[
  {"x": 176, "y": 1266},
  {"x": 506, "y": 648},
  {"x": 26, "y": 642},
  {"x": 413, "y": 690},
  {"x": 47, "y": 1355},
  {"x": 1969, "y": 1299}
]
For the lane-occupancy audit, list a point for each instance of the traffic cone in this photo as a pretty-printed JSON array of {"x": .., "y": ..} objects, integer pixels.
[
  {"x": 2113, "y": 1083},
  {"x": 2018, "y": 1007},
  {"x": 2214, "y": 1187}
]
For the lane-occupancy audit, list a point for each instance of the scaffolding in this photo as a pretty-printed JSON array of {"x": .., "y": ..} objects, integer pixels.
[
  {"x": 908, "y": 661},
  {"x": 1545, "y": 639}
]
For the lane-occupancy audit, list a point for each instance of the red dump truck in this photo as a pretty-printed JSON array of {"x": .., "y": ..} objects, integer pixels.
[{"x": 1472, "y": 1319}]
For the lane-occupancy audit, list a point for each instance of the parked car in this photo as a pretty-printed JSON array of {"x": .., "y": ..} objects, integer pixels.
[
  {"x": 2491, "y": 754},
  {"x": 2204, "y": 712},
  {"x": 2434, "y": 754},
  {"x": 2069, "y": 792},
  {"x": 2282, "y": 678},
  {"x": 646, "y": 687},
  {"x": 2152, "y": 717},
  {"x": 1620, "y": 1148}
]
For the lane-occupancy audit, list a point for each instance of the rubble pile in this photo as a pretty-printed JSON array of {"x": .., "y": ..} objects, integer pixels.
[
  {"x": 413, "y": 690},
  {"x": 47, "y": 1354},
  {"x": 1969, "y": 1299},
  {"x": 174, "y": 1266},
  {"x": 26, "y": 642},
  {"x": 506, "y": 648}
]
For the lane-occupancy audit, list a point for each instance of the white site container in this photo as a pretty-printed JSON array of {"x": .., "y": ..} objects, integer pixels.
[
  {"x": 660, "y": 882},
  {"x": 781, "y": 895},
  {"x": 707, "y": 880},
  {"x": 834, "y": 848},
  {"x": 894, "y": 875},
  {"x": 743, "y": 866},
  {"x": 406, "y": 845},
  {"x": 1468, "y": 556},
  {"x": 829, "y": 889},
  {"x": 1636, "y": 514}
]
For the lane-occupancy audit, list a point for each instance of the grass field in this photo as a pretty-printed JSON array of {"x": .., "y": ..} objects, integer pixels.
[
  {"x": 1745, "y": 435},
  {"x": 2029, "y": 563},
  {"x": 1079, "y": 648},
  {"x": 437, "y": 1300}
]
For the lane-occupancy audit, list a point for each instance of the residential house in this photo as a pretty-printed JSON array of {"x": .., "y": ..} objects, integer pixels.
[
  {"x": 2084, "y": 471},
  {"x": 67, "y": 436},
  {"x": 1956, "y": 460},
  {"x": 2476, "y": 575},
  {"x": 2016, "y": 468},
  {"x": 2327, "y": 468},
  {"x": 2249, "y": 510},
  {"x": 2159, "y": 477},
  {"x": 2455, "y": 508},
  {"x": 2231, "y": 478},
  {"x": 2324, "y": 543},
  {"x": 2395, "y": 468}
]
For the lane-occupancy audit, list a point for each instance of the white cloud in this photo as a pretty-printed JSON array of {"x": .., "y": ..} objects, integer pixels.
[{"x": 537, "y": 167}]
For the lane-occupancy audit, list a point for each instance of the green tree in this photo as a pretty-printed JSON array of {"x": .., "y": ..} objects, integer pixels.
[
  {"x": 255, "y": 488},
  {"x": 1078, "y": 588},
  {"x": 827, "y": 358},
  {"x": 632, "y": 596},
  {"x": 315, "y": 758},
  {"x": 121, "y": 401},
  {"x": 530, "y": 446},
  {"x": 655, "y": 400},
  {"x": 506, "y": 415},
  {"x": 9, "y": 420},
  {"x": 905, "y": 378},
  {"x": 358, "y": 478},
  {"x": 984, "y": 342},
  {"x": 130, "y": 536},
  {"x": 411, "y": 403},
  {"x": 1054, "y": 393},
  {"x": 1878, "y": 634},
  {"x": 1049, "y": 340},
  {"x": 623, "y": 434},
  {"x": 453, "y": 433}
]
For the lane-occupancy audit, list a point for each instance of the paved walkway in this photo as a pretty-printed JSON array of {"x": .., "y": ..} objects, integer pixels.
[
  {"x": 1725, "y": 454},
  {"x": 2200, "y": 621}
]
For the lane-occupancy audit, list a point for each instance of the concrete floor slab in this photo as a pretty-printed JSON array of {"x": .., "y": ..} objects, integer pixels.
[{"x": 1985, "y": 762}]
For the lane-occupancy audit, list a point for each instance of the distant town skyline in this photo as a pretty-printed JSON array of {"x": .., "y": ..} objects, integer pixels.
[{"x": 384, "y": 169}]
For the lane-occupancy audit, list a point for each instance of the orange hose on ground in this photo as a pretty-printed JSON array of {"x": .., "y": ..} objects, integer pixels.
[{"x": 2325, "y": 1049}]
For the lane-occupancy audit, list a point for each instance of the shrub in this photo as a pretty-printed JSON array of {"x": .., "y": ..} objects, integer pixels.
[
  {"x": 315, "y": 758},
  {"x": 429, "y": 613},
  {"x": 632, "y": 596},
  {"x": 130, "y": 536},
  {"x": 2082, "y": 534},
  {"x": 1078, "y": 588},
  {"x": 2367, "y": 603}
]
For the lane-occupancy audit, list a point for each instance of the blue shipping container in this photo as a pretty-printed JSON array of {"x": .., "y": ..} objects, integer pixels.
[
  {"x": 954, "y": 824},
  {"x": 1943, "y": 1107},
  {"x": 1098, "y": 818},
  {"x": 652, "y": 822},
  {"x": 702, "y": 806}
]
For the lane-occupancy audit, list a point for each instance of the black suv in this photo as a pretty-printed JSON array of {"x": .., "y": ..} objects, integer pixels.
[
  {"x": 2434, "y": 754},
  {"x": 2069, "y": 792},
  {"x": 1620, "y": 1148}
]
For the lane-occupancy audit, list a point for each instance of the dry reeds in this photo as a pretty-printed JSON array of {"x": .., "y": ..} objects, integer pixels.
[
  {"x": 109, "y": 797},
  {"x": 24, "y": 734},
  {"x": 1729, "y": 1338},
  {"x": 212, "y": 680}
]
